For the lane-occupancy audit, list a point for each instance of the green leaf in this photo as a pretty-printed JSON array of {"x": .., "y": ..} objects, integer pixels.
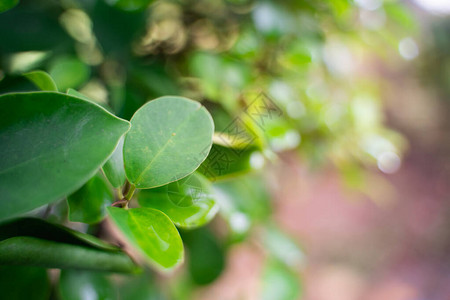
[
  {"x": 42, "y": 80},
  {"x": 114, "y": 169},
  {"x": 187, "y": 202},
  {"x": 81, "y": 285},
  {"x": 44, "y": 230},
  {"x": 206, "y": 255},
  {"x": 7, "y": 4},
  {"x": 88, "y": 204},
  {"x": 29, "y": 241},
  {"x": 152, "y": 232},
  {"x": 51, "y": 144},
  {"x": 69, "y": 72},
  {"x": 24, "y": 283},
  {"x": 169, "y": 139},
  {"x": 30, "y": 251}
]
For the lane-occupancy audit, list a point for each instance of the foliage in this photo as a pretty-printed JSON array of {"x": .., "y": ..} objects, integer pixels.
[{"x": 266, "y": 76}]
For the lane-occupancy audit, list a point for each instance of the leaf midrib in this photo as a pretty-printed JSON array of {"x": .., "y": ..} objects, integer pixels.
[{"x": 139, "y": 178}]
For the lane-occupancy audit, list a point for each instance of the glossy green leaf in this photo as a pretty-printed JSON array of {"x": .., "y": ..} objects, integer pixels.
[
  {"x": 206, "y": 255},
  {"x": 151, "y": 232},
  {"x": 29, "y": 241},
  {"x": 24, "y": 250},
  {"x": 24, "y": 283},
  {"x": 42, "y": 80},
  {"x": 187, "y": 202},
  {"x": 7, "y": 4},
  {"x": 52, "y": 141},
  {"x": 114, "y": 169},
  {"x": 44, "y": 230},
  {"x": 168, "y": 140},
  {"x": 69, "y": 72},
  {"x": 88, "y": 204},
  {"x": 82, "y": 285}
]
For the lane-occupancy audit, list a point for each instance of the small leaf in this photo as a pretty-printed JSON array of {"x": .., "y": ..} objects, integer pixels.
[
  {"x": 30, "y": 251},
  {"x": 42, "y": 80},
  {"x": 152, "y": 232},
  {"x": 51, "y": 141},
  {"x": 114, "y": 169},
  {"x": 81, "y": 285},
  {"x": 7, "y": 5},
  {"x": 169, "y": 139},
  {"x": 187, "y": 202},
  {"x": 88, "y": 204},
  {"x": 24, "y": 283}
]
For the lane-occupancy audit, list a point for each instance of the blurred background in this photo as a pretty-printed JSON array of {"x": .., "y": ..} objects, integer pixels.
[{"x": 339, "y": 188}]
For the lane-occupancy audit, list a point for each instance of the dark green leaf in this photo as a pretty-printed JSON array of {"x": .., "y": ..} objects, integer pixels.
[
  {"x": 169, "y": 139},
  {"x": 88, "y": 204},
  {"x": 152, "y": 232},
  {"x": 114, "y": 169},
  {"x": 24, "y": 250},
  {"x": 44, "y": 230},
  {"x": 82, "y": 285},
  {"x": 187, "y": 202},
  {"x": 51, "y": 141},
  {"x": 42, "y": 80}
]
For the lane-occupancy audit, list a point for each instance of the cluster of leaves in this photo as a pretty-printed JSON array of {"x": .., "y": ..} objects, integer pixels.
[{"x": 166, "y": 171}]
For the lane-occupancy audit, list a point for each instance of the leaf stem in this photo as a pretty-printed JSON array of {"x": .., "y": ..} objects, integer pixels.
[
  {"x": 130, "y": 192},
  {"x": 119, "y": 193}
]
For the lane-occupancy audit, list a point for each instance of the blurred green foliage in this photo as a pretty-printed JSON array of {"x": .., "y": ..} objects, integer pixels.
[{"x": 275, "y": 75}]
